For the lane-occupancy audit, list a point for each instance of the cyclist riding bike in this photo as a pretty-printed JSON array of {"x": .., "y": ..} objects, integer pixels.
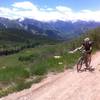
[{"x": 86, "y": 48}]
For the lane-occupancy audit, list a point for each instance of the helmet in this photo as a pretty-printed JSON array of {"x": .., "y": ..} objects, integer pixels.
[{"x": 87, "y": 39}]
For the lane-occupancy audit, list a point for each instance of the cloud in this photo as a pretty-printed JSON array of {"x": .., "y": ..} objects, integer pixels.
[
  {"x": 88, "y": 15},
  {"x": 63, "y": 9},
  {"x": 24, "y": 5},
  {"x": 29, "y": 10},
  {"x": 5, "y": 12}
]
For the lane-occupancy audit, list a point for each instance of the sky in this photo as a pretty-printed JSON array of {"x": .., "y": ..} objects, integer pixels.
[{"x": 51, "y": 10}]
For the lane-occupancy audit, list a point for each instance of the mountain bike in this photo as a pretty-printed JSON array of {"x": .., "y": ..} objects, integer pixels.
[{"x": 84, "y": 61}]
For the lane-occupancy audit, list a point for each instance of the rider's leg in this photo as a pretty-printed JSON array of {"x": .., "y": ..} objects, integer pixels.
[
  {"x": 87, "y": 61},
  {"x": 90, "y": 67}
]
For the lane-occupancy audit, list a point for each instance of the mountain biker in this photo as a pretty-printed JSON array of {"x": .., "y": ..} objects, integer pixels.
[{"x": 87, "y": 48}]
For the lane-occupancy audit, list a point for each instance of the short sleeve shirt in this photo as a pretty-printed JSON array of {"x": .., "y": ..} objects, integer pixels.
[{"x": 87, "y": 45}]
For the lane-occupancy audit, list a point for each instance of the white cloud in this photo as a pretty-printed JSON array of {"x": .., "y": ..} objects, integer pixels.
[
  {"x": 27, "y": 9},
  {"x": 88, "y": 15},
  {"x": 5, "y": 12},
  {"x": 24, "y": 5},
  {"x": 63, "y": 9}
]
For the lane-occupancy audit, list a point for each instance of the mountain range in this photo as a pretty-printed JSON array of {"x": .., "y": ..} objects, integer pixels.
[{"x": 58, "y": 30}]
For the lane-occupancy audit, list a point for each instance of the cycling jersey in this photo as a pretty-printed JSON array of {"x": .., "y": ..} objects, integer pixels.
[{"x": 87, "y": 46}]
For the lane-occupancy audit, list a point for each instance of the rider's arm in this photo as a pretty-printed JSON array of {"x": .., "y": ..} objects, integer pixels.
[{"x": 79, "y": 48}]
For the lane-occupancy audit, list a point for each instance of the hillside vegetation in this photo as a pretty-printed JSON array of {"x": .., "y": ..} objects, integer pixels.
[
  {"x": 13, "y": 40},
  {"x": 30, "y": 65}
]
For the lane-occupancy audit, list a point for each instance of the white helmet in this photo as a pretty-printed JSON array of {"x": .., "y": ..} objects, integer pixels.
[{"x": 87, "y": 39}]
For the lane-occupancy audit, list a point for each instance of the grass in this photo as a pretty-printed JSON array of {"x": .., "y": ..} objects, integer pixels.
[
  {"x": 34, "y": 62},
  {"x": 9, "y": 74}
]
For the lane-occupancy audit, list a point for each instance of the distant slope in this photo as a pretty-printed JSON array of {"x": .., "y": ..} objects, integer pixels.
[
  {"x": 29, "y": 27},
  {"x": 14, "y": 39},
  {"x": 64, "y": 29},
  {"x": 15, "y": 34},
  {"x": 58, "y": 30}
]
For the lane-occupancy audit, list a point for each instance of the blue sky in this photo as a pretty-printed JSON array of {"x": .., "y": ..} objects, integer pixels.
[
  {"x": 51, "y": 9},
  {"x": 74, "y": 4}
]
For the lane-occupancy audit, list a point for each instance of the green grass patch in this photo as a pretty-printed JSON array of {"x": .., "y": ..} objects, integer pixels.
[
  {"x": 9, "y": 74},
  {"x": 34, "y": 62}
]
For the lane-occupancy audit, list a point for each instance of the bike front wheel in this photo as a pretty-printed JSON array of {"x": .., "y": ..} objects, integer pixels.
[{"x": 79, "y": 64}]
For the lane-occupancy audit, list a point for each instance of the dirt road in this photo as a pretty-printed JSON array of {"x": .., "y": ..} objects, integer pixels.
[{"x": 68, "y": 85}]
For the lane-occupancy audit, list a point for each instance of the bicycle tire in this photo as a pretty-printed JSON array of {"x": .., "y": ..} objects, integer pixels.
[{"x": 79, "y": 64}]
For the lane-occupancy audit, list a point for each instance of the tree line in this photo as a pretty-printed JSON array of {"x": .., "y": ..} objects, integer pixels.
[{"x": 16, "y": 49}]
